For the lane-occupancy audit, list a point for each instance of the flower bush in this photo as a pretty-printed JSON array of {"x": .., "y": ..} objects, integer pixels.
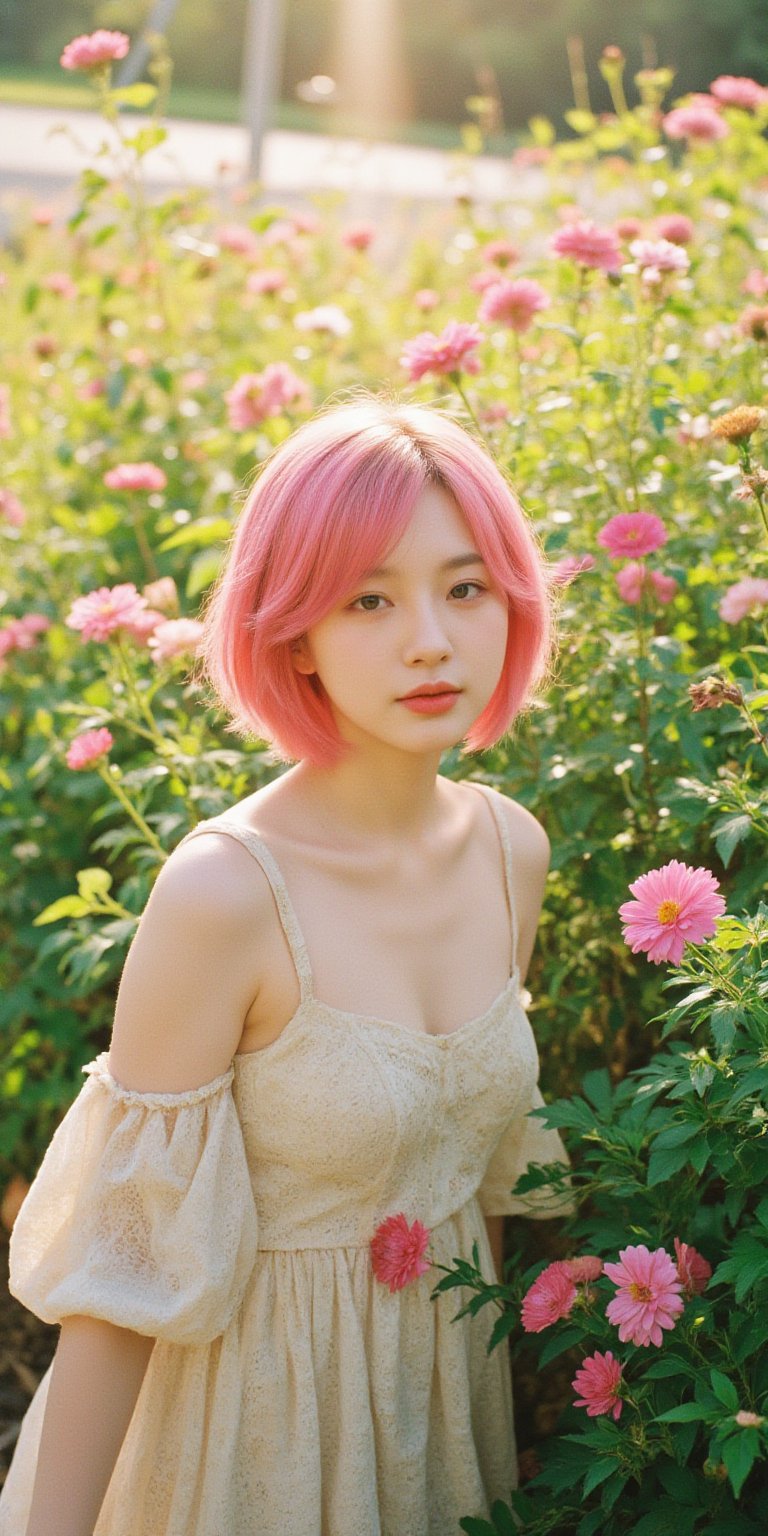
[{"x": 608, "y": 340}]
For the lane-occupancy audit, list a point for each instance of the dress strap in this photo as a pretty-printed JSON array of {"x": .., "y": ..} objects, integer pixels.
[
  {"x": 493, "y": 796},
  {"x": 288, "y": 918}
]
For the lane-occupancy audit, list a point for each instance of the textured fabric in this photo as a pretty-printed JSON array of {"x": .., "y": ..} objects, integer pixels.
[{"x": 289, "y": 1392}]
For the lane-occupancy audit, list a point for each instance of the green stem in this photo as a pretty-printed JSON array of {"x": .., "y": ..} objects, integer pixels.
[
  {"x": 136, "y": 816},
  {"x": 455, "y": 378}
]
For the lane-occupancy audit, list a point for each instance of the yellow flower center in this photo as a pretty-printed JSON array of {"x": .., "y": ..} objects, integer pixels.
[
  {"x": 640, "y": 1292},
  {"x": 668, "y": 911}
]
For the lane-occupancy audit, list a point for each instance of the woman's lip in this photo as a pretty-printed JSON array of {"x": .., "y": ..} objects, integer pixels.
[{"x": 437, "y": 693}]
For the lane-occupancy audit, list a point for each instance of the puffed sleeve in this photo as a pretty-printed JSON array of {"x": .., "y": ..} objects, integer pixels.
[
  {"x": 141, "y": 1212},
  {"x": 526, "y": 1140}
]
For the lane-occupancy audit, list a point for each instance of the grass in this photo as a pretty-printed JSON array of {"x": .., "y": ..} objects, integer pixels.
[{"x": 20, "y": 86}]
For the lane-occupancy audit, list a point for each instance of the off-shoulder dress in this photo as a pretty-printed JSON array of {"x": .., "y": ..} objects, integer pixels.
[{"x": 289, "y": 1392}]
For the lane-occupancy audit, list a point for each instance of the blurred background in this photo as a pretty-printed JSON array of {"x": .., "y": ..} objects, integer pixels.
[{"x": 400, "y": 69}]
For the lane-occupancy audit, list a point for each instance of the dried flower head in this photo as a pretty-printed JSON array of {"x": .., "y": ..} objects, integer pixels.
[
  {"x": 737, "y": 426},
  {"x": 713, "y": 692}
]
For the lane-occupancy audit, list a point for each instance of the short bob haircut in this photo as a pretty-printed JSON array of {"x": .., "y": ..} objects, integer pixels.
[{"x": 326, "y": 506}]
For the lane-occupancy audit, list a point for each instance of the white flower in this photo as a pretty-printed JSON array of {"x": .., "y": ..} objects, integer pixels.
[{"x": 327, "y": 317}]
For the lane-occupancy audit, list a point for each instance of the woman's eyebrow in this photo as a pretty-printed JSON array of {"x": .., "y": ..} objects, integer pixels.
[{"x": 470, "y": 558}]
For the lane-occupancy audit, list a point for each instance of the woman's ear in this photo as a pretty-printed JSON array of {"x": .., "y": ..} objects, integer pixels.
[{"x": 300, "y": 656}]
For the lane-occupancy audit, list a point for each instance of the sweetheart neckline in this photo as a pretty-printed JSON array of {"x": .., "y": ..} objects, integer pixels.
[{"x": 404, "y": 1029}]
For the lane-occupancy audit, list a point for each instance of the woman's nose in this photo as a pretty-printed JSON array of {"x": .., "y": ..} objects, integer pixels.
[{"x": 427, "y": 637}]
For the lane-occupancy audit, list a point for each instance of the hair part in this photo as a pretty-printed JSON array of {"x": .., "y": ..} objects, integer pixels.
[{"x": 327, "y": 505}]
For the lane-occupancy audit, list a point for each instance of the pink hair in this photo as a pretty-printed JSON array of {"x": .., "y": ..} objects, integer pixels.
[{"x": 328, "y": 504}]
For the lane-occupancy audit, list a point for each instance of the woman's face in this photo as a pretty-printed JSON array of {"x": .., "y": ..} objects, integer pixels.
[{"x": 436, "y": 616}]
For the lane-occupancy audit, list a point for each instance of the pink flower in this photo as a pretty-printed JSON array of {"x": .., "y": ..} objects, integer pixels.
[
  {"x": 136, "y": 477},
  {"x": 486, "y": 278},
  {"x": 696, "y": 121},
  {"x": 634, "y": 578},
  {"x": 632, "y": 533},
  {"x": 256, "y": 396},
  {"x": 453, "y": 351},
  {"x": 747, "y": 1420},
  {"x": 587, "y": 244},
  {"x": 61, "y": 284},
  {"x": 744, "y": 597},
  {"x": 515, "y": 303},
  {"x": 569, "y": 566},
  {"x": 143, "y": 624},
  {"x": 358, "y": 237},
  {"x": 628, "y": 228},
  {"x": 426, "y": 299},
  {"x": 531, "y": 154},
  {"x": 237, "y": 238},
  {"x": 95, "y": 49},
  {"x": 398, "y": 1251},
  {"x": 11, "y": 509},
  {"x": 175, "y": 637},
  {"x": 598, "y": 1381},
  {"x": 86, "y": 748},
  {"x": 739, "y": 91},
  {"x": 502, "y": 253},
  {"x": 661, "y": 255},
  {"x": 755, "y": 283},
  {"x": 162, "y": 594},
  {"x": 19, "y": 634},
  {"x": 693, "y": 1270},
  {"x": 106, "y": 609},
  {"x": 549, "y": 1299},
  {"x": 648, "y": 1297},
  {"x": 42, "y": 215},
  {"x": 584, "y": 1268},
  {"x": 753, "y": 321},
  {"x": 676, "y": 227},
  {"x": 676, "y": 905},
  {"x": 268, "y": 280}
]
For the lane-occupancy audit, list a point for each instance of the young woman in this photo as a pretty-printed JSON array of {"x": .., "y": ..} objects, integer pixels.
[{"x": 319, "y": 1026}]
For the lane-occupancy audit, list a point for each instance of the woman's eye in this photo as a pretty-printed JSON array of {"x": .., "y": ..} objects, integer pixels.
[{"x": 375, "y": 597}]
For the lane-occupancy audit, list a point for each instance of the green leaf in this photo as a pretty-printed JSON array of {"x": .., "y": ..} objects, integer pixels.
[
  {"x": 729, "y": 833},
  {"x": 598, "y": 1473},
  {"x": 724, "y": 1390},
  {"x": 141, "y": 95},
  {"x": 739, "y": 1453},
  {"x": 686, "y": 1413},
  {"x": 93, "y": 882},
  {"x": 66, "y": 906},
  {"x": 662, "y": 1165}
]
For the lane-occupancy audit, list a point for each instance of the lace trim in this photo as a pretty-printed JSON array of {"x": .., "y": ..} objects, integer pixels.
[{"x": 98, "y": 1068}]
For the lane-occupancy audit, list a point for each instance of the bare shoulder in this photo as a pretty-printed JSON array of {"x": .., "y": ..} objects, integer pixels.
[
  {"x": 188, "y": 979},
  {"x": 530, "y": 842}
]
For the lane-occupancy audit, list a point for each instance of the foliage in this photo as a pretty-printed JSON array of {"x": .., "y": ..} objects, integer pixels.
[{"x": 123, "y": 333}]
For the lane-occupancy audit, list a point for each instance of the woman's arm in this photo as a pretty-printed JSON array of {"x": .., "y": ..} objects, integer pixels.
[{"x": 97, "y": 1373}]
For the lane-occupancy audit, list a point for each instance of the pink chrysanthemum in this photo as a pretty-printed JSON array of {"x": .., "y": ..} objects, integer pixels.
[
  {"x": 550, "y": 1298},
  {"x": 502, "y": 253},
  {"x": 256, "y": 396},
  {"x": 358, "y": 237},
  {"x": 676, "y": 227},
  {"x": 453, "y": 351},
  {"x": 237, "y": 238},
  {"x": 426, "y": 299},
  {"x": 100, "y": 612},
  {"x": 747, "y": 597},
  {"x": 598, "y": 1381},
  {"x": 676, "y": 905},
  {"x": 11, "y": 509},
  {"x": 693, "y": 1270},
  {"x": 660, "y": 255},
  {"x": 398, "y": 1251},
  {"x": 86, "y": 748},
  {"x": 268, "y": 280},
  {"x": 514, "y": 303},
  {"x": 634, "y": 579},
  {"x": 588, "y": 245},
  {"x": 95, "y": 49},
  {"x": 739, "y": 91},
  {"x": 632, "y": 533},
  {"x": 697, "y": 121},
  {"x": 584, "y": 1268},
  {"x": 136, "y": 477},
  {"x": 174, "y": 637},
  {"x": 19, "y": 634},
  {"x": 569, "y": 566},
  {"x": 755, "y": 283},
  {"x": 648, "y": 1297}
]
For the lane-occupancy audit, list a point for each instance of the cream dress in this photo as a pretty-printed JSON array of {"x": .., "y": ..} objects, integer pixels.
[{"x": 290, "y": 1393}]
